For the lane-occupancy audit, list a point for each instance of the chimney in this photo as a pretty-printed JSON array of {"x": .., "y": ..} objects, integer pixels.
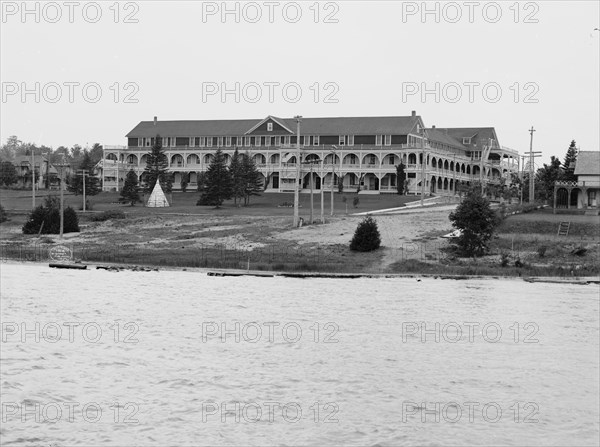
[
  {"x": 155, "y": 119},
  {"x": 433, "y": 127},
  {"x": 414, "y": 113}
]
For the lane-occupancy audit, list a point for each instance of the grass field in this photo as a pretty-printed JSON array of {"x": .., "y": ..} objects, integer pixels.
[
  {"x": 261, "y": 237},
  {"x": 185, "y": 203}
]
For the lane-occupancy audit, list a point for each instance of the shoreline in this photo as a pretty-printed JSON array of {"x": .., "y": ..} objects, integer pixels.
[{"x": 146, "y": 268}]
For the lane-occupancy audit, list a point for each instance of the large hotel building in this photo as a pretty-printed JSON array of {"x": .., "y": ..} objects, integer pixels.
[{"x": 362, "y": 151}]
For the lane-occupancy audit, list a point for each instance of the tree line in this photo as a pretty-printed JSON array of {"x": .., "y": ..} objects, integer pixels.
[{"x": 239, "y": 181}]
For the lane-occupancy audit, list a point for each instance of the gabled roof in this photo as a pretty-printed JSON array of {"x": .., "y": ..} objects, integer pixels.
[
  {"x": 441, "y": 136},
  {"x": 478, "y": 134},
  {"x": 587, "y": 163},
  {"x": 270, "y": 118},
  {"x": 387, "y": 125}
]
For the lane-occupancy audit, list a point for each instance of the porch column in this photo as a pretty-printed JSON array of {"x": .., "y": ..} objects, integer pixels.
[{"x": 569, "y": 190}]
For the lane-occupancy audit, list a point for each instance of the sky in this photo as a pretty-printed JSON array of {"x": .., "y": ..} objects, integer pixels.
[{"x": 87, "y": 72}]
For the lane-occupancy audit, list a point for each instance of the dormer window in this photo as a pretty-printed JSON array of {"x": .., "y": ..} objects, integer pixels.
[
  {"x": 466, "y": 140},
  {"x": 269, "y": 127}
]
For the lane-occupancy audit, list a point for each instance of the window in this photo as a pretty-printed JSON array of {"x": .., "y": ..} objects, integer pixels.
[
  {"x": 388, "y": 140},
  {"x": 307, "y": 140},
  {"x": 378, "y": 139},
  {"x": 228, "y": 141},
  {"x": 350, "y": 140},
  {"x": 140, "y": 142},
  {"x": 342, "y": 140},
  {"x": 219, "y": 141},
  {"x": 209, "y": 141},
  {"x": 277, "y": 141},
  {"x": 286, "y": 141},
  {"x": 467, "y": 140},
  {"x": 202, "y": 142},
  {"x": 316, "y": 140},
  {"x": 191, "y": 142},
  {"x": 269, "y": 127},
  {"x": 247, "y": 141}
]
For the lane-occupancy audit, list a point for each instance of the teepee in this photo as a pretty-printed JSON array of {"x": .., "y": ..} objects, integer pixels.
[{"x": 157, "y": 198}]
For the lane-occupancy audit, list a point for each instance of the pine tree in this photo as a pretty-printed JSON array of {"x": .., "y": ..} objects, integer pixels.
[
  {"x": 157, "y": 166},
  {"x": 476, "y": 221},
  {"x": 92, "y": 182},
  {"x": 400, "y": 178},
  {"x": 130, "y": 192},
  {"x": 366, "y": 237},
  {"x": 252, "y": 179},
  {"x": 237, "y": 179},
  {"x": 46, "y": 219},
  {"x": 8, "y": 173},
  {"x": 218, "y": 184},
  {"x": 569, "y": 164}
]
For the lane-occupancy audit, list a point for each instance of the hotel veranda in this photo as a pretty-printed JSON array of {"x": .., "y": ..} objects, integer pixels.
[{"x": 362, "y": 151}]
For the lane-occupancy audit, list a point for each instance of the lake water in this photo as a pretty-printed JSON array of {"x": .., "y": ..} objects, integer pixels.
[{"x": 179, "y": 358}]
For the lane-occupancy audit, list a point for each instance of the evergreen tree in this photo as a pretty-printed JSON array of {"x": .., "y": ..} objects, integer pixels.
[
  {"x": 157, "y": 166},
  {"x": 8, "y": 173},
  {"x": 218, "y": 184},
  {"x": 476, "y": 221},
  {"x": 366, "y": 237},
  {"x": 46, "y": 219},
  {"x": 252, "y": 179},
  {"x": 400, "y": 178},
  {"x": 130, "y": 192},
  {"x": 569, "y": 164},
  {"x": 92, "y": 182},
  {"x": 237, "y": 178},
  {"x": 546, "y": 177}
]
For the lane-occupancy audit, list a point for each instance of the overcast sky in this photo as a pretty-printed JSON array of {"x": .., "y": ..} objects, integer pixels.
[{"x": 508, "y": 65}]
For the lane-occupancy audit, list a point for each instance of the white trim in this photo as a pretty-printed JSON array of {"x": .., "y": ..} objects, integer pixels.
[
  {"x": 265, "y": 120},
  {"x": 228, "y": 141}
]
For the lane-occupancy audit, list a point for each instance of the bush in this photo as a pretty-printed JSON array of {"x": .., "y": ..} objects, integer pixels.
[
  {"x": 504, "y": 259},
  {"x": 366, "y": 237},
  {"x": 541, "y": 251},
  {"x": 45, "y": 219},
  {"x": 519, "y": 263},
  {"x": 476, "y": 221},
  {"x": 355, "y": 202},
  {"x": 107, "y": 215},
  {"x": 3, "y": 215}
]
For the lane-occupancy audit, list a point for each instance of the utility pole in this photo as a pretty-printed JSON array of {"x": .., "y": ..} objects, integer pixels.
[
  {"x": 311, "y": 193},
  {"x": 298, "y": 119},
  {"x": 423, "y": 161},
  {"x": 454, "y": 174},
  {"x": 32, "y": 180},
  {"x": 84, "y": 174},
  {"x": 532, "y": 156},
  {"x": 322, "y": 195},
  {"x": 62, "y": 200},
  {"x": 332, "y": 176}
]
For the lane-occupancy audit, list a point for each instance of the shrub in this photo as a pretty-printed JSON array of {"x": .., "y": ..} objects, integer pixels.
[
  {"x": 355, "y": 202},
  {"x": 45, "y": 219},
  {"x": 107, "y": 215},
  {"x": 541, "y": 251},
  {"x": 519, "y": 263},
  {"x": 366, "y": 237},
  {"x": 3, "y": 215},
  {"x": 504, "y": 259},
  {"x": 476, "y": 221}
]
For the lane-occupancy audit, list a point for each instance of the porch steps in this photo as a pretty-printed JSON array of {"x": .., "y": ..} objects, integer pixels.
[{"x": 563, "y": 228}]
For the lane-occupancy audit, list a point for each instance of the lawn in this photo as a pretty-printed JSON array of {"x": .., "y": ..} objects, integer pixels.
[{"x": 185, "y": 203}]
